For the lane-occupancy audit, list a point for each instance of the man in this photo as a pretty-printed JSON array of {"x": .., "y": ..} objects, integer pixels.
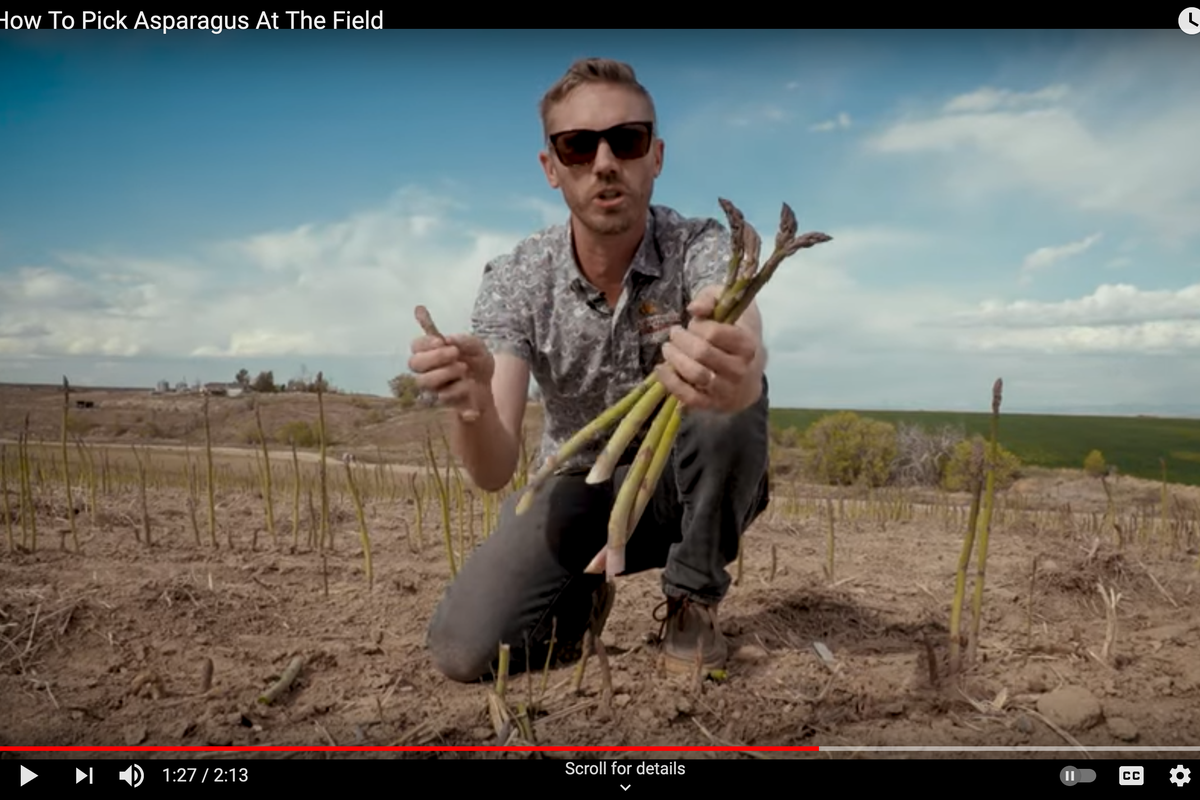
[{"x": 589, "y": 308}]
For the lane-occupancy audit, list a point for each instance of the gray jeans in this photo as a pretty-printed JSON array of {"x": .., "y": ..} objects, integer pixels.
[{"x": 526, "y": 580}]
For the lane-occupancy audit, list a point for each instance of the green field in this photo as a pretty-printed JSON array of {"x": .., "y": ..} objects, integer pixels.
[{"x": 1133, "y": 444}]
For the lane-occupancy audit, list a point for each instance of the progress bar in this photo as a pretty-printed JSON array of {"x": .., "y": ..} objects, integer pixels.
[{"x": 1007, "y": 749}]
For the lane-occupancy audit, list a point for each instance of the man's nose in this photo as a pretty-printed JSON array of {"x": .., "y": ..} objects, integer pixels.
[{"x": 605, "y": 160}]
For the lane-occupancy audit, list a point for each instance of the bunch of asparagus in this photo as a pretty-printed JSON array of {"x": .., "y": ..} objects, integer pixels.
[{"x": 743, "y": 281}]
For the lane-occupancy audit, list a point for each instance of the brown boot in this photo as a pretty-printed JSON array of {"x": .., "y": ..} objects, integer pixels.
[{"x": 691, "y": 637}]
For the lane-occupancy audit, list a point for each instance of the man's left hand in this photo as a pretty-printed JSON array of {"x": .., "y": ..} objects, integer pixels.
[{"x": 712, "y": 365}]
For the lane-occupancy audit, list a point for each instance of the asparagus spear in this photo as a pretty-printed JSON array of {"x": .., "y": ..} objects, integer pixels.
[{"x": 426, "y": 322}]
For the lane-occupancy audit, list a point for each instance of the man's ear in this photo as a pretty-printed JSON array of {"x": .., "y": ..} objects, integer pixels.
[
  {"x": 549, "y": 167},
  {"x": 658, "y": 157}
]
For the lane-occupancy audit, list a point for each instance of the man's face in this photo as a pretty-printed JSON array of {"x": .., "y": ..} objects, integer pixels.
[{"x": 600, "y": 107}]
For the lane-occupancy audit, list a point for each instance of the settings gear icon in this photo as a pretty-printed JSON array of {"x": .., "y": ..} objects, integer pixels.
[{"x": 1180, "y": 775}]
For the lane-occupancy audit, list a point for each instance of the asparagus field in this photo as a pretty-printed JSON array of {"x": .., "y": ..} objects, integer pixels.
[{"x": 194, "y": 579}]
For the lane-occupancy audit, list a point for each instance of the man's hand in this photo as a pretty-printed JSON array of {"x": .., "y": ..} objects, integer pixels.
[
  {"x": 711, "y": 365},
  {"x": 458, "y": 369}
]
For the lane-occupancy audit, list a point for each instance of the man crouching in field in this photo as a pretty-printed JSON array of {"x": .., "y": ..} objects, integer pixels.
[{"x": 587, "y": 308}]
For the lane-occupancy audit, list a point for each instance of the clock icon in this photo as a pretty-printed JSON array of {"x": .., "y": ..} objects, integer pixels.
[{"x": 1189, "y": 21}]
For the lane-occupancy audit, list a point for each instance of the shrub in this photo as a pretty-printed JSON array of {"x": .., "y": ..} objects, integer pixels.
[
  {"x": 1095, "y": 465},
  {"x": 845, "y": 449},
  {"x": 786, "y": 437},
  {"x": 969, "y": 462},
  {"x": 404, "y": 388},
  {"x": 922, "y": 455},
  {"x": 305, "y": 434}
]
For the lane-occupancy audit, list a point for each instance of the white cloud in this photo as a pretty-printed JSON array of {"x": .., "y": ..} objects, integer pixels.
[
  {"x": 841, "y": 121},
  {"x": 757, "y": 115},
  {"x": 1045, "y": 257},
  {"x": 815, "y": 302},
  {"x": 549, "y": 213},
  {"x": 1105, "y": 146},
  {"x": 990, "y": 99},
  {"x": 1172, "y": 336},
  {"x": 343, "y": 288},
  {"x": 1115, "y": 319}
]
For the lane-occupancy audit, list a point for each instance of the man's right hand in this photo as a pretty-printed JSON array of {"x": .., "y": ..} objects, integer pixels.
[{"x": 457, "y": 369}]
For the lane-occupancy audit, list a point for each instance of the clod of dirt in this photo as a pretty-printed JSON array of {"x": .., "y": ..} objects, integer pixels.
[
  {"x": 1072, "y": 708},
  {"x": 750, "y": 654},
  {"x": 134, "y": 734},
  {"x": 182, "y": 728},
  {"x": 1122, "y": 729},
  {"x": 217, "y": 737}
]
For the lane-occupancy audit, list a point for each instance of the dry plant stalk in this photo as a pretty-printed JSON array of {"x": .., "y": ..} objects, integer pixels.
[
  {"x": 193, "y": 499},
  {"x": 266, "y": 475},
  {"x": 326, "y": 536},
  {"x": 8, "y": 529},
  {"x": 211, "y": 479},
  {"x": 1029, "y": 604},
  {"x": 985, "y": 521},
  {"x": 426, "y": 322},
  {"x": 142, "y": 499},
  {"x": 831, "y": 541},
  {"x": 1110, "y": 600},
  {"x": 443, "y": 492},
  {"x": 295, "y": 495},
  {"x": 498, "y": 711},
  {"x": 743, "y": 281},
  {"x": 1110, "y": 517},
  {"x": 975, "y": 470},
  {"x": 90, "y": 472},
  {"x": 67, "y": 463},
  {"x": 28, "y": 511},
  {"x": 362, "y": 524}
]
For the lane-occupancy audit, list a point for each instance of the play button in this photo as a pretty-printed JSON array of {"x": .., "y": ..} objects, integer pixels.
[{"x": 27, "y": 774}]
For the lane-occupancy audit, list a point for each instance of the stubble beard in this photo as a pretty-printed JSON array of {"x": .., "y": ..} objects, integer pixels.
[{"x": 609, "y": 224}]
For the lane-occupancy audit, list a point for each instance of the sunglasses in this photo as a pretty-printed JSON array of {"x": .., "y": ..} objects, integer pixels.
[{"x": 627, "y": 142}]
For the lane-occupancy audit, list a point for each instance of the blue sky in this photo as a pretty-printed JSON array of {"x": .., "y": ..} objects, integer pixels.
[{"x": 1023, "y": 205}]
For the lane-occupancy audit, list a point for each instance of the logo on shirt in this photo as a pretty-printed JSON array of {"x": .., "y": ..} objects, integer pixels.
[{"x": 655, "y": 320}]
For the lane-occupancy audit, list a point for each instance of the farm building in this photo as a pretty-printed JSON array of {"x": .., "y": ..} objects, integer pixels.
[{"x": 225, "y": 389}]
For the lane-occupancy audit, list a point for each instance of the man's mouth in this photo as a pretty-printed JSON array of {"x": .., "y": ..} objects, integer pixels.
[{"x": 609, "y": 194}]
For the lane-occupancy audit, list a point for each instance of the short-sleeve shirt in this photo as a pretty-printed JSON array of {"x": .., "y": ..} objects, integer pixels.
[{"x": 536, "y": 304}]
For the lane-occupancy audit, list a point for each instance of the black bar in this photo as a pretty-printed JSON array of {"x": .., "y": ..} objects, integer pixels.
[
  {"x": 698, "y": 777},
  {"x": 503, "y": 18}
]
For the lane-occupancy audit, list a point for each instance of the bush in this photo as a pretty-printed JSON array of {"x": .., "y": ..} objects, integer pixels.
[
  {"x": 786, "y": 437},
  {"x": 305, "y": 434},
  {"x": 969, "y": 461},
  {"x": 404, "y": 388},
  {"x": 922, "y": 455},
  {"x": 1094, "y": 465},
  {"x": 845, "y": 449}
]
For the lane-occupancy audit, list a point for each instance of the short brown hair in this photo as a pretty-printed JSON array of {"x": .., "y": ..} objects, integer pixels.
[{"x": 592, "y": 70}]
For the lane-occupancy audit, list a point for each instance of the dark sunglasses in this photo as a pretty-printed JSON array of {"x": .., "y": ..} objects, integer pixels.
[{"x": 627, "y": 142}]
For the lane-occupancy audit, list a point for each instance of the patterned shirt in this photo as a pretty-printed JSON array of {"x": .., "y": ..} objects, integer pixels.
[{"x": 536, "y": 304}]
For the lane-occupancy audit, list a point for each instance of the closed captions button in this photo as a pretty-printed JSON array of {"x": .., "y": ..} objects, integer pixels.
[
  {"x": 1073, "y": 775},
  {"x": 1132, "y": 776}
]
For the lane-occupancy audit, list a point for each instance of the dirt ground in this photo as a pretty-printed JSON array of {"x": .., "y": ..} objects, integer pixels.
[{"x": 108, "y": 647}]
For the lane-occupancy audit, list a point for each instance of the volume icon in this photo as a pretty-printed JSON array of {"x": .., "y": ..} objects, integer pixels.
[{"x": 132, "y": 775}]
